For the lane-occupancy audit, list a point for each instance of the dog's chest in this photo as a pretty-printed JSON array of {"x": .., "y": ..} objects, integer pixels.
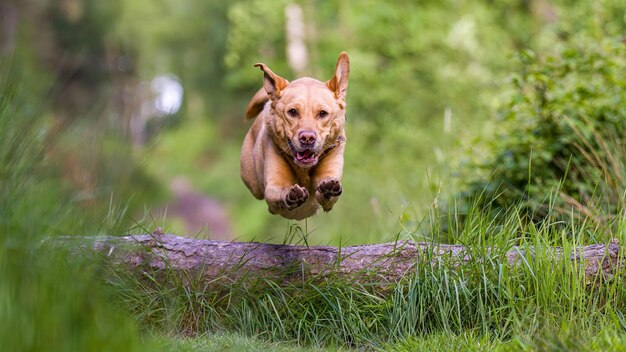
[{"x": 303, "y": 176}]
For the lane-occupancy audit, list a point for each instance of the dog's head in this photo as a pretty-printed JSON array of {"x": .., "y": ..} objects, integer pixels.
[{"x": 307, "y": 117}]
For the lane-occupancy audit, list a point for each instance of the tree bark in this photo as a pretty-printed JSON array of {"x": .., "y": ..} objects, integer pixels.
[{"x": 382, "y": 263}]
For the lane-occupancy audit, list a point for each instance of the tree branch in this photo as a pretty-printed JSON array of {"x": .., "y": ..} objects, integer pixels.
[{"x": 387, "y": 262}]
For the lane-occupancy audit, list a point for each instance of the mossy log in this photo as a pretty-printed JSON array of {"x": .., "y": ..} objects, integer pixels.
[{"x": 383, "y": 263}]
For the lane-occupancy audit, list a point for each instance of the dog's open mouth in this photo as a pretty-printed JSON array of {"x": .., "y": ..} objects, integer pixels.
[
  {"x": 304, "y": 156},
  {"x": 307, "y": 156}
]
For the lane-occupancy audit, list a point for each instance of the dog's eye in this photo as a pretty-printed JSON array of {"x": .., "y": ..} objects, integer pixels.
[
  {"x": 292, "y": 112},
  {"x": 323, "y": 114}
]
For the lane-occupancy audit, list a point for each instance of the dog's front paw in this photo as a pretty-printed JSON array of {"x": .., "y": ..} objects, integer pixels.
[
  {"x": 330, "y": 187},
  {"x": 296, "y": 197}
]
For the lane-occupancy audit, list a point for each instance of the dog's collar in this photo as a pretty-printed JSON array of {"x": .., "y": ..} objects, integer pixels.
[{"x": 340, "y": 140}]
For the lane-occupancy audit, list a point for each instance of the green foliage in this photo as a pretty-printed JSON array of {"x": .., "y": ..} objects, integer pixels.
[
  {"x": 189, "y": 41},
  {"x": 47, "y": 301},
  {"x": 247, "y": 45},
  {"x": 559, "y": 132}
]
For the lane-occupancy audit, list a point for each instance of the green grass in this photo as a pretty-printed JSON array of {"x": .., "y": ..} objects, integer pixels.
[
  {"x": 542, "y": 303},
  {"x": 232, "y": 342}
]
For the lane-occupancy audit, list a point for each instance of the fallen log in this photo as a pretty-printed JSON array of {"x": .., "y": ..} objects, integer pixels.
[{"x": 387, "y": 262}]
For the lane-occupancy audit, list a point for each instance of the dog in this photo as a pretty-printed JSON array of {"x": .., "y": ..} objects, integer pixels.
[{"x": 292, "y": 156}]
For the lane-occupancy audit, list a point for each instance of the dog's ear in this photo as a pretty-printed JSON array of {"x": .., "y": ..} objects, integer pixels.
[
  {"x": 273, "y": 83},
  {"x": 339, "y": 83}
]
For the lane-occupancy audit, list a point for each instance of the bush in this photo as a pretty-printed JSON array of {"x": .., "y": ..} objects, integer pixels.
[{"x": 557, "y": 141}]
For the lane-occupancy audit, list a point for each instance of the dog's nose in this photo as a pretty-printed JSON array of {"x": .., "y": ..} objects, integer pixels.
[{"x": 307, "y": 137}]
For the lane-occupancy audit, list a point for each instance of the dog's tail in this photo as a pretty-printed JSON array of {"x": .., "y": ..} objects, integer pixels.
[{"x": 256, "y": 104}]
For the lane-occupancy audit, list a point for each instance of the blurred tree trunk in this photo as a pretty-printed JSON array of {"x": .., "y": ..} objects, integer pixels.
[
  {"x": 9, "y": 18},
  {"x": 297, "y": 53},
  {"x": 380, "y": 263}
]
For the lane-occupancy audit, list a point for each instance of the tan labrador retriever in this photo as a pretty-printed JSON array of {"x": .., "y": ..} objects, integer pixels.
[{"x": 292, "y": 156}]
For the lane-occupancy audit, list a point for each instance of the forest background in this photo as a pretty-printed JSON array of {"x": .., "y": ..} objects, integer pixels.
[{"x": 120, "y": 116}]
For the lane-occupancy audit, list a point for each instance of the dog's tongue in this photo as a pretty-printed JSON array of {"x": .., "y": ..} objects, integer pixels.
[{"x": 304, "y": 155}]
